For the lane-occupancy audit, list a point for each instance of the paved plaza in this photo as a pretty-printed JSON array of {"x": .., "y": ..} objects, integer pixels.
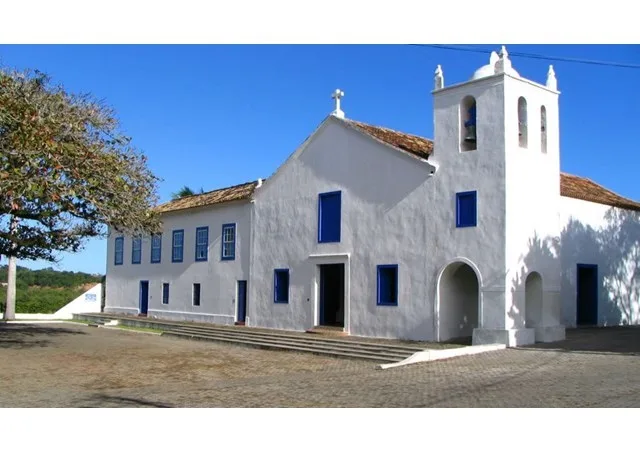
[{"x": 72, "y": 365}]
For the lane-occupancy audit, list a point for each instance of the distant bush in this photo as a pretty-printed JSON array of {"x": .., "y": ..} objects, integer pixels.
[
  {"x": 50, "y": 277},
  {"x": 40, "y": 300},
  {"x": 45, "y": 290}
]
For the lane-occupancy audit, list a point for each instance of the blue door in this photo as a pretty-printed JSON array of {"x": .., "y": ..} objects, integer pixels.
[
  {"x": 587, "y": 295},
  {"x": 242, "y": 301},
  {"x": 144, "y": 296}
]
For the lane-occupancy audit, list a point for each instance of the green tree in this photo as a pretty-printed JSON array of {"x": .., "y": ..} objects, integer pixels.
[
  {"x": 186, "y": 191},
  {"x": 66, "y": 173}
]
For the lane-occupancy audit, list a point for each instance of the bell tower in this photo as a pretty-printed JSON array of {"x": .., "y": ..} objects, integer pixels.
[{"x": 497, "y": 135}]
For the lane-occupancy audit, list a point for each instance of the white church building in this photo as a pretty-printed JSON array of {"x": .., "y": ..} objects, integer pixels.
[{"x": 378, "y": 233}]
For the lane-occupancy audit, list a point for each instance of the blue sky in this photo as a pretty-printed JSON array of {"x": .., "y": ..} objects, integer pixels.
[{"x": 216, "y": 115}]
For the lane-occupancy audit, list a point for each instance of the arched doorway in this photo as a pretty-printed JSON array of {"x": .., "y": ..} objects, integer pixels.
[
  {"x": 458, "y": 302},
  {"x": 533, "y": 300}
]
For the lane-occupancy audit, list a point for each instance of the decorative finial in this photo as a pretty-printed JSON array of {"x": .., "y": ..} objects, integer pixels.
[
  {"x": 493, "y": 58},
  {"x": 337, "y": 95},
  {"x": 503, "y": 64},
  {"x": 552, "y": 82},
  {"x": 439, "y": 78}
]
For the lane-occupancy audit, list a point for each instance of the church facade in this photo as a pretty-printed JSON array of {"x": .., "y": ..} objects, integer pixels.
[{"x": 374, "y": 232}]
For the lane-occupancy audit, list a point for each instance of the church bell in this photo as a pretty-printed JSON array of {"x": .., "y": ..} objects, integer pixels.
[{"x": 471, "y": 134}]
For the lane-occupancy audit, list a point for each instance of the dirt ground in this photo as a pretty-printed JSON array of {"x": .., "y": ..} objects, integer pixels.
[{"x": 70, "y": 365}]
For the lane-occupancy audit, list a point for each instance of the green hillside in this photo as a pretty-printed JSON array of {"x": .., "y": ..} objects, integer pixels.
[{"x": 45, "y": 290}]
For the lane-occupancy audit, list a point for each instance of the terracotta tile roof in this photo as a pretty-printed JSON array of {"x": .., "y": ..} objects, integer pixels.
[
  {"x": 414, "y": 144},
  {"x": 224, "y": 195},
  {"x": 584, "y": 189},
  {"x": 570, "y": 186}
]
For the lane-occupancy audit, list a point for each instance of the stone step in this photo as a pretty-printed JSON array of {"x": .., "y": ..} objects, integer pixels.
[
  {"x": 308, "y": 342},
  {"x": 272, "y": 338},
  {"x": 278, "y": 345},
  {"x": 400, "y": 349},
  {"x": 328, "y": 331}
]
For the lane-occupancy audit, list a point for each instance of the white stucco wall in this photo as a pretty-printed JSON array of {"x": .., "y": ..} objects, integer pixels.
[
  {"x": 396, "y": 210},
  {"x": 482, "y": 170},
  {"x": 383, "y": 222},
  {"x": 218, "y": 278},
  {"x": 408, "y": 220},
  {"x": 532, "y": 195},
  {"x": 613, "y": 244},
  {"x": 87, "y": 302}
]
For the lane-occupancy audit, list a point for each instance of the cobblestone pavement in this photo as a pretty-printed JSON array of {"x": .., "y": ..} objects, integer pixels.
[{"x": 67, "y": 365}]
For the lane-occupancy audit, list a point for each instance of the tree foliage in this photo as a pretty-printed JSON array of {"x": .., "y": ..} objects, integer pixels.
[
  {"x": 185, "y": 191},
  {"x": 66, "y": 171},
  {"x": 49, "y": 277},
  {"x": 45, "y": 290},
  {"x": 41, "y": 299}
]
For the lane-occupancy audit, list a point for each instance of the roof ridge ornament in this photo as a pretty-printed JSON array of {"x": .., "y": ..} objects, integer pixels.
[
  {"x": 493, "y": 58},
  {"x": 439, "y": 78},
  {"x": 337, "y": 95},
  {"x": 504, "y": 63},
  {"x": 552, "y": 82}
]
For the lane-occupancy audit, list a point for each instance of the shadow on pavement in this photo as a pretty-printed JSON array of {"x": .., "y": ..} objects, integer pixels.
[
  {"x": 615, "y": 340},
  {"x": 21, "y": 336},
  {"x": 102, "y": 400}
]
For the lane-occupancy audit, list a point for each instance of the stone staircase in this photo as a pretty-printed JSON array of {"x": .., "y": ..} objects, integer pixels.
[
  {"x": 378, "y": 352},
  {"x": 375, "y": 350}
]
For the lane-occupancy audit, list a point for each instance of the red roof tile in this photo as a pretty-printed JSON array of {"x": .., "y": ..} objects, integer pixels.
[
  {"x": 224, "y": 195},
  {"x": 584, "y": 189},
  {"x": 570, "y": 186},
  {"x": 414, "y": 144}
]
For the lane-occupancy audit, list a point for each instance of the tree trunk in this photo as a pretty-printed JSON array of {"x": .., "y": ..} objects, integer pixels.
[{"x": 10, "y": 306}]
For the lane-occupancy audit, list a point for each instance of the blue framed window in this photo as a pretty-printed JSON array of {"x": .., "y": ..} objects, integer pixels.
[
  {"x": 118, "y": 257},
  {"x": 466, "y": 209},
  {"x": 281, "y": 286},
  {"x": 196, "y": 294},
  {"x": 156, "y": 248},
  {"x": 177, "y": 246},
  {"x": 387, "y": 284},
  {"x": 202, "y": 243},
  {"x": 329, "y": 216},
  {"x": 165, "y": 293},
  {"x": 228, "y": 241},
  {"x": 136, "y": 250}
]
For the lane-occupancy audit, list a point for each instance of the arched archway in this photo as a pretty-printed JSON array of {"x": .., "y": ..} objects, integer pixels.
[
  {"x": 522, "y": 122},
  {"x": 458, "y": 301},
  {"x": 468, "y": 124},
  {"x": 543, "y": 129},
  {"x": 533, "y": 300}
]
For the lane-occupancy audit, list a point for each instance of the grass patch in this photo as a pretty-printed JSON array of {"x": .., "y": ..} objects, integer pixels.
[
  {"x": 140, "y": 329},
  {"x": 77, "y": 321},
  {"x": 135, "y": 329},
  {"x": 35, "y": 299}
]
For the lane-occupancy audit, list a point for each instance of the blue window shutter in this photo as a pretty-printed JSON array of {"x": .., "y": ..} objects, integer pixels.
[
  {"x": 177, "y": 246},
  {"x": 165, "y": 293},
  {"x": 202, "y": 244},
  {"x": 156, "y": 248},
  {"x": 281, "y": 286},
  {"x": 119, "y": 251},
  {"x": 330, "y": 217},
  {"x": 196, "y": 294},
  {"x": 136, "y": 250},
  {"x": 466, "y": 209},
  {"x": 228, "y": 243},
  {"x": 388, "y": 284}
]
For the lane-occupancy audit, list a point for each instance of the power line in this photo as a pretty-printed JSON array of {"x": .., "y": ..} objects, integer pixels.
[{"x": 531, "y": 55}]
